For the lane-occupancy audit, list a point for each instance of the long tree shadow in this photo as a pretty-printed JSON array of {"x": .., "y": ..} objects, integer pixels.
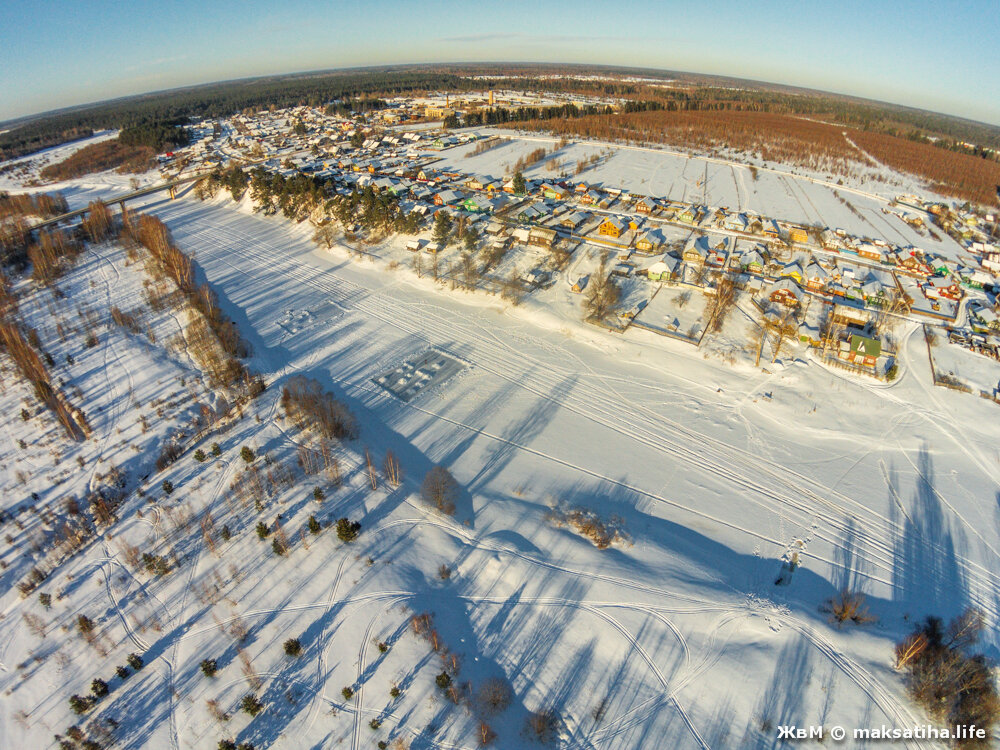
[
  {"x": 927, "y": 554},
  {"x": 781, "y": 703}
]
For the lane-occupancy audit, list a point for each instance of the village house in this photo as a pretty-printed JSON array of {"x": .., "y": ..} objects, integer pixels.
[
  {"x": 751, "y": 261},
  {"x": 873, "y": 292},
  {"x": 848, "y": 315},
  {"x": 542, "y": 237},
  {"x": 554, "y": 192},
  {"x": 870, "y": 251},
  {"x": 649, "y": 241},
  {"x": 687, "y": 215},
  {"x": 573, "y": 220},
  {"x": 785, "y": 292},
  {"x": 646, "y": 206},
  {"x": 663, "y": 269},
  {"x": 612, "y": 226},
  {"x": 816, "y": 277},
  {"x": 447, "y": 198},
  {"x": 797, "y": 234},
  {"x": 937, "y": 287},
  {"x": 696, "y": 251},
  {"x": 735, "y": 223},
  {"x": 792, "y": 271},
  {"x": 862, "y": 350}
]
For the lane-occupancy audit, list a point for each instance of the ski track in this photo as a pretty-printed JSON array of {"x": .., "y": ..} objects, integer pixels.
[
  {"x": 592, "y": 403},
  {"x": 777, "y": 489}
]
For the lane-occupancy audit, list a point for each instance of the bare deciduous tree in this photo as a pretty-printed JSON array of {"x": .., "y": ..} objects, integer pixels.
[{"x": 440, "y": 489}]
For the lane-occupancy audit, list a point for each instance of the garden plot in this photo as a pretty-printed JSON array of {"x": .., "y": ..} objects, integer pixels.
[
  {"x": 675, "y": 311},
  {"x": 416, "y": 375},
  {"x": 963, "y": 367}
]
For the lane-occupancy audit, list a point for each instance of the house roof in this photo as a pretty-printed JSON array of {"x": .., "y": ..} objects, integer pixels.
[{"x": 865, "y": 346}]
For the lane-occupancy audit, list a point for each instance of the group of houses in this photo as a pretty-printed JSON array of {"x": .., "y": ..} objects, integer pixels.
[{"x": 657, "y": 238}]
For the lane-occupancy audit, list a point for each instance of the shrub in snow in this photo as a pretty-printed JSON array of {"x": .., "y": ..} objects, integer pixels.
[
  {"x": 99, "y": 688},
  {"x": 293, "y": 647},
  {"x": 443, "y": 680},
  {"x": 348, "y": 693},
  {"x": 216, "y": 450},
  {"x": 199, "y": 455},
  {"x": 494, "y": 696},
  {"x": 348, "y": 530},
  {"x": 262, "y": 530},
  {"x": 208, "y": 667},
  {"x": 543, "y": 725},
  {"x": 123, "y": 672},
  {"x": 170, "y": 453},
  {"x": 251, "y": 705},
  {"x": 848, "y": 606},
  {"x": 168, "y": 486},
  {"x": 79, "y": 704},
  {"x": 135, "y": 661},
  {"x": 246, "y": 453},
  {"x": 314, "y": 527},
  {"x": 308, "y": 405}
]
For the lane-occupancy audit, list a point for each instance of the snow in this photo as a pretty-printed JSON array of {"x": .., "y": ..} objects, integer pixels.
[
  {"x": 718, "y": 472},
  {"x": 797, "y": 195}
]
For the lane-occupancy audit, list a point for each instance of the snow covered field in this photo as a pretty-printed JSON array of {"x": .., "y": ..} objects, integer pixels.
[{"x": 678, "y": 639}]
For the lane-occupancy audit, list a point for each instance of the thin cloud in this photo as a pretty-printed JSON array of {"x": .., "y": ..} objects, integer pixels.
[{"x": 538, "y": 38}]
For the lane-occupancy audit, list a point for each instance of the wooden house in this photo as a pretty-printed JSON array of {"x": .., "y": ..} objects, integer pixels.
[
  {"x": 573, "y": 220},
  {"x": 663, "y": 269},
  {"x": 785, "y": 292},
  {"x": 554, "y": 192},
  {"x": 770, "y": 229},
  {"x": 696, "y": 251},
  {"x": 649, "y": 241},
  {"x": 816, "y": 277},
  {"x": 752, "y": 261},
  {"x": 612, "y": 227},
  {"x": 870, "y": 252},
  {"x": 645, "y": 206},
  {"x": 735, "y": 223},
  {"x": 863, "y": 350},
  {"x": 687, "y": 215},
  {"x": 542, "y": 237},
  {"x": 792, "y": 271},
  {"x": 447, "y": 198}
]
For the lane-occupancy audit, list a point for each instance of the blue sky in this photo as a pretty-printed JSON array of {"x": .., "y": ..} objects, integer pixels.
[{"x": 939, "y": 56}]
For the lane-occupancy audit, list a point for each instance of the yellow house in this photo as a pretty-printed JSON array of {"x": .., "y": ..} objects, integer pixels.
[
  {"x": 797, "y": 234},
  {"x": 611, "y": 227}
]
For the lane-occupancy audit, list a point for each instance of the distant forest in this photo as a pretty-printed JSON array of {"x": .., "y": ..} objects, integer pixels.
[{"x": 149, "y": 121}]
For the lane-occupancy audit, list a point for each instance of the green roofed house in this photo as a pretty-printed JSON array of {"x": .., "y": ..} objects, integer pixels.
[{"x": 864, "y": 350}]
